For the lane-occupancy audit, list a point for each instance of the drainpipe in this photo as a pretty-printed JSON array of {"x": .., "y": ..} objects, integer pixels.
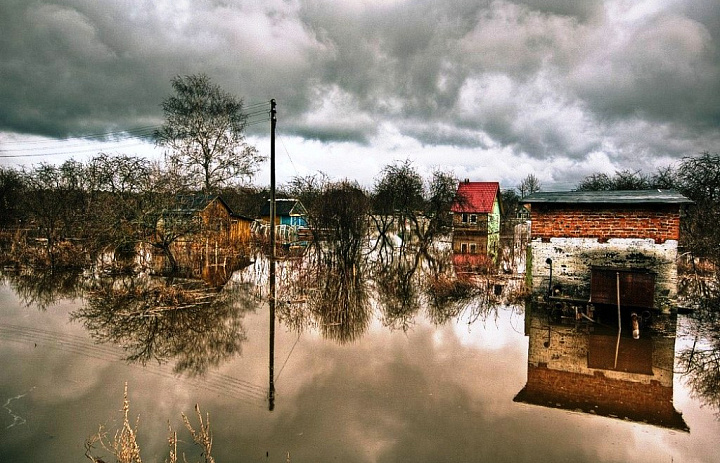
[
  {"x": 549, "y": 262},
  {"x": 617, "y": 346}
]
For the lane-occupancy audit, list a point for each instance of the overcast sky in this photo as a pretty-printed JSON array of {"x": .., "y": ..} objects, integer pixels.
[{"x": 489, "y": 90}]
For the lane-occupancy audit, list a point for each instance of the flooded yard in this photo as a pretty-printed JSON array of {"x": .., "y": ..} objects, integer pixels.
[{"x": 427, "y": 388}]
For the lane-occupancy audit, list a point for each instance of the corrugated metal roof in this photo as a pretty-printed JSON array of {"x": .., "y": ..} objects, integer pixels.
[
  {"x": 608, "y": 197},
  {"x": 476, "y": 197}
]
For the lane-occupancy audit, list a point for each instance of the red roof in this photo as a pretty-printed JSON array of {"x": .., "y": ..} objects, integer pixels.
[{"x": 476, "y": 197}]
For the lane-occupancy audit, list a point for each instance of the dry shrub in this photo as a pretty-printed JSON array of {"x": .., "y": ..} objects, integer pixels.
[{"x": 124, "y": 446}]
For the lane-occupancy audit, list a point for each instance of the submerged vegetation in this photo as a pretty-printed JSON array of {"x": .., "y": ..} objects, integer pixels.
[{"x": 124, "y": 445}]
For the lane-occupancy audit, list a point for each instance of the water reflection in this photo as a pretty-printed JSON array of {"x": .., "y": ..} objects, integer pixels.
[
  {"x": 43, "y": 288},
  {"x": 699, "y": 363},
  {"x": 397, "y": 284},
  {"x": 187, "y": 322},
  {"x": 337, "y": 289},
  {"x": 576, "y": 364},
  {"x": 326, "y": 289}
]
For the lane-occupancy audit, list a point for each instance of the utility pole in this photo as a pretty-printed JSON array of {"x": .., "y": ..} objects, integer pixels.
[{"x": 271, "y": 389}]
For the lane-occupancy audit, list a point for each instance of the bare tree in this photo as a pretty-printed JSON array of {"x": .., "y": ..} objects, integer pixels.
[
  {"x": 699, "y": 179},
  {"x": 204, "y": 134},
  {"x": 11, "y": 193},
  {"x": 55, "y": 202},
  {"x": 621, "y": 180},
  {"x": 529, "y": 185}
]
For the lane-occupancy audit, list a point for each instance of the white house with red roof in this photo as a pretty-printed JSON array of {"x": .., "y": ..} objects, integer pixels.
[{"x": 476, "y": 219}]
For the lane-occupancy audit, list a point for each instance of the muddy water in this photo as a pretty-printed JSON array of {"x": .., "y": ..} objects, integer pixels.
[{"x": 431, "y": 393}]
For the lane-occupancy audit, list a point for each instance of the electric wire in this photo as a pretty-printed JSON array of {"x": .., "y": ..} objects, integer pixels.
[
  {"x": 8, "y": 148},
  {"x": 128, "y": 133},
  {"x": 78, "y": 345},
  {"x": 277, "y": 377},
  {"x": 75, "y": 151},
  {"x": 47, "y": 148},
  {"x": 282, "y": 142}
]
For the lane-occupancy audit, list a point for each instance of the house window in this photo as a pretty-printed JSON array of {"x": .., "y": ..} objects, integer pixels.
[
  {"x": 473, "y": 248},
  {"x": 463, "y": 248},
  {"x": 464, "y": 218},
  {"x": 473, "y": 218}
]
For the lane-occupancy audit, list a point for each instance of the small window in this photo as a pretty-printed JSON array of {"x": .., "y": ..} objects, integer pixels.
[
  {"x": 473, "y": 218},
  {"x": 473, "y": 248},
  {"x": 463, "y": 248},
  {"x": 465, "y": 218}
]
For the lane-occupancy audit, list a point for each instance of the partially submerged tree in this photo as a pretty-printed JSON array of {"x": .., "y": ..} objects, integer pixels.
[
  {"x": 398, "y": 196},
  {"x": 204, "y": 134},
  {"x": 11, "y": 192},
  {"x": 55, "y": 200}
]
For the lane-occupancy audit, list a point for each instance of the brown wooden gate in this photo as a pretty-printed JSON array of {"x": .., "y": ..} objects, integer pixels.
[{"x": 637, "y": 286}]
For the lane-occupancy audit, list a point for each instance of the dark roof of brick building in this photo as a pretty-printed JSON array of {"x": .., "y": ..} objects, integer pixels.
[{"x": 608, "y": 197}]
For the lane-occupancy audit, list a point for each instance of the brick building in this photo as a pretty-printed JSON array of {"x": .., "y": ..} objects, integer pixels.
[{"x": 580, "y": 241}]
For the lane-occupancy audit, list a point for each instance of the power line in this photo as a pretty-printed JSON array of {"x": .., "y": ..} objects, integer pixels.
[
  {"x": 111, "y": 136},
  {"x": 130, "y": 133},
  {"x": 290, "y": 158},
  {"x": 59, "y": 153},
  {"x": 62, "y": 145},
  {"x": 40, "y": 148},
  {"x": 259, "y": 103}
]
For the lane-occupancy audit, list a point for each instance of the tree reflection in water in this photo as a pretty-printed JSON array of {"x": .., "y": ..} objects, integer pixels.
[
  {"x": 337, "y": 296},
  {"x": 196, "y": 326},
  {"x": 43, "y": 288},
  {"x": 328, "y": 287},
  {"x": 397, "y": 285},
  {"x": 338, "y": 292},
  {"x": 466, "y": 289},
  {"x": 699, "y": 364}
]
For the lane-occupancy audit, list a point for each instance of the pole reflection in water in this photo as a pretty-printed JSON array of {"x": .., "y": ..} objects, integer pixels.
[{"x": 584, "y": 366}]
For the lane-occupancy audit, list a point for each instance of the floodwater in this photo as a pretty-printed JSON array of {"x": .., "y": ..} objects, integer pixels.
[{"x": 462, "y": 388}]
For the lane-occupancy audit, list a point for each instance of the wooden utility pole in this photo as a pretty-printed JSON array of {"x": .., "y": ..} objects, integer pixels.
[{"x": 273, "y": 122}]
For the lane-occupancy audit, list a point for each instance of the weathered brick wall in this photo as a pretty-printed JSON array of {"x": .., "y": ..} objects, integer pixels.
[
  {"x": 658, "y": 222},
  {"x": 598, "y": 394}
]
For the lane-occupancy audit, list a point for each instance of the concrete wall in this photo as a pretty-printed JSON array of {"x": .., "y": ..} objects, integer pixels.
[
  {"x": 566, "y": 349},
  {"x": 573, "y": 258}
]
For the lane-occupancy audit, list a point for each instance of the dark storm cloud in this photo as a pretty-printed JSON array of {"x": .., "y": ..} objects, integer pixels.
[
  {"x": 541, "y": 79},
  {"x": 66, "y": 71},
  {"x": 665, "y": 69},
  {"x": 583, "y": 11}
]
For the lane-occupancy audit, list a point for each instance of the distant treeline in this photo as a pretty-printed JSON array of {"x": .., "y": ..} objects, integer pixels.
[{"x": 116, "y": 202}]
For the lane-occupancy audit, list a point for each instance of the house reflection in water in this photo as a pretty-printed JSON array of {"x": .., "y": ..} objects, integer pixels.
[{"x": 582, "y": 366}]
